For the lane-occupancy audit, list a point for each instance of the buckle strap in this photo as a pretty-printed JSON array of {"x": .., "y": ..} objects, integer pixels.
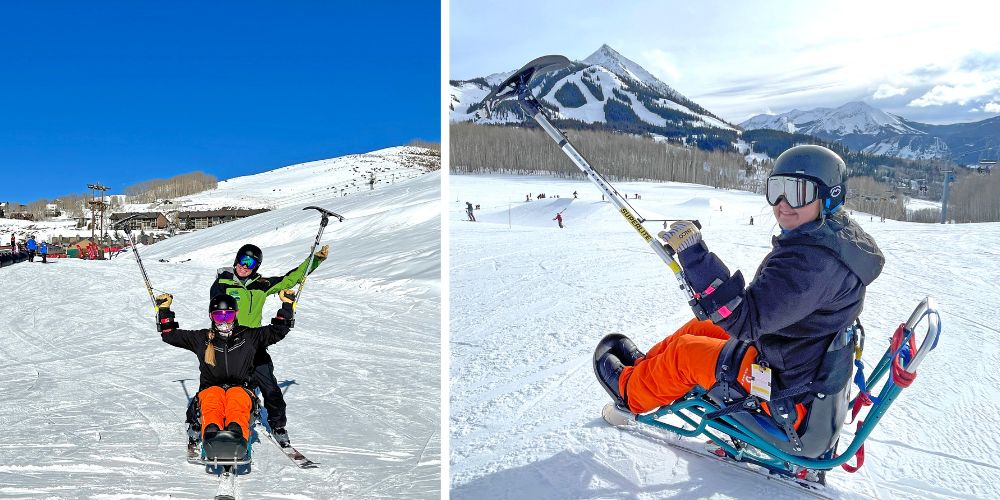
[
  {"x": 727, "y": 369},
  {"x": 784, "y": 414},
  {"x": 748, "y": 404}
]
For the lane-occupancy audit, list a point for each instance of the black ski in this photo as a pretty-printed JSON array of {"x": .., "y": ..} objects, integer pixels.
[{"x": 294, "y": 455}]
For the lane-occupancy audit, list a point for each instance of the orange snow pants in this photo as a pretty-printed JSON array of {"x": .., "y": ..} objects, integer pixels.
[
  {"x": 221, "y": 406},
  {"x": 678, "y": 363}
]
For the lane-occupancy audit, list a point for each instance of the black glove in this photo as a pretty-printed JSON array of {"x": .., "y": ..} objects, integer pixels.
[
  {"x": 165, "y": 320},
  {"x": 285, "y": 316}
]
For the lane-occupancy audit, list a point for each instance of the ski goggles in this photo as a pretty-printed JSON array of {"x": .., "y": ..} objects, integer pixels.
[
  {"x": 223, "y": 316},
  {"x": 248, "y": 261},
  {"x": 796, "y": 191}
]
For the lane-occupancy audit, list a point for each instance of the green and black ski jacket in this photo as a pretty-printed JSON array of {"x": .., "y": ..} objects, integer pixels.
[{"x": 252, "y": 292}]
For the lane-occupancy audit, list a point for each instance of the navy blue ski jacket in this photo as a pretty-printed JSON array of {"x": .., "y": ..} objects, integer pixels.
[{"x": 810, "y": 287}]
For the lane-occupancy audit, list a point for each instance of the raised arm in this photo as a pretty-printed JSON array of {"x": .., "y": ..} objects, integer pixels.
[
  {"x": 293, "y": 277},
  {"x": 168, "y": 327},
  {"x": 282, "y": 322}
]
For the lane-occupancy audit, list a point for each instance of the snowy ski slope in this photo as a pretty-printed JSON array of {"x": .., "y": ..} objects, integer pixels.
[
  {"x": 281, "y": 187},
  {"x": 93, "y": 403},
  {"x": 529, "y": 302}
]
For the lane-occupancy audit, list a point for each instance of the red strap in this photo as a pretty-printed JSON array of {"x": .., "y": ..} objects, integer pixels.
[
  {"x": 859, "y": 456},
  {"x": 859, "y": 402},
  {"x": 900, "y": 376}
]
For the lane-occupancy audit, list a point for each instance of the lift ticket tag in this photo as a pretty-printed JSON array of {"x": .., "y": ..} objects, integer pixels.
[{"x": 760, "y": 384}]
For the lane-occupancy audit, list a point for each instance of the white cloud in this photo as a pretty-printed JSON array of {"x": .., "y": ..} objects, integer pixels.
[
  {"x": 886, "y": 90},
  {"x": 958, "y": 88},
  {"x": 661, "y": 64},
  {"x": 992, "y": 107}
]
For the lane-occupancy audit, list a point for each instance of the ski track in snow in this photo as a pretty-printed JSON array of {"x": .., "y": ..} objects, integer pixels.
[
  {"x": 93, "y": 403},
  {"x": 530, "y": 301}
]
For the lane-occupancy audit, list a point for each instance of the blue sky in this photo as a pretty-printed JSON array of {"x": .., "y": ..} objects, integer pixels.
[
  {"x": 119, "y": 92},
  {"x": 931, "y": 62}
]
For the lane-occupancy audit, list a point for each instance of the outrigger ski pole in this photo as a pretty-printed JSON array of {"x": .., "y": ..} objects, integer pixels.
[
  {"x": 135, "y": 251},
  {"x": 312, "y": 251},
  {"x": 517, "y": 85}
]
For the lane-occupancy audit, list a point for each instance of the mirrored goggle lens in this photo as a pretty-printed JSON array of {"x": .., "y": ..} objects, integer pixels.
[
  {"x": 797, "y": 192},
  {"x": 248, "y": 261},
  {"x": 223, "y": 316}
]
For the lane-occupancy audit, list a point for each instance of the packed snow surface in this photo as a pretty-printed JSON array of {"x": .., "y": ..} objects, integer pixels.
[
  {"x": 93, "y": 400},
  {"x": 529, "y": 301}
]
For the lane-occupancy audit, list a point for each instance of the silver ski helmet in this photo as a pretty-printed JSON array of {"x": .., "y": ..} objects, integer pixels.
[{"x": 820, "y": 165}]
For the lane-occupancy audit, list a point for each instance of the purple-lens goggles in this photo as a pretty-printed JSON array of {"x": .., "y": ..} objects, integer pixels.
[{"x": 224, "y": 316}]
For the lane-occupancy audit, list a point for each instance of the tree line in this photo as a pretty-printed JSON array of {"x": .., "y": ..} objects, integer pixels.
[
  {"x": 519, "y": 150},
  {"x": 77, "y": 204},
  {"x": 975, "y": 198},
  {"x": 178, "y": 185}
]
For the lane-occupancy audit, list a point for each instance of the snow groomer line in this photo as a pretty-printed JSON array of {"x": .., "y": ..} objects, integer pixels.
[
  {"x": 228, "y": 409},
  {"x": 792, "y": 433}
]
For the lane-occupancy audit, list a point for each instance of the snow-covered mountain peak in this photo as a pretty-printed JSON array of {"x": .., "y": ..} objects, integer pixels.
[
  {"x": 861, "y": 115},
  {"x": 853, "y": 118},
  {"x": 605, "y": 88},
  {"x": 624, "y": 67},
  {"x": 604, "y": 54}
]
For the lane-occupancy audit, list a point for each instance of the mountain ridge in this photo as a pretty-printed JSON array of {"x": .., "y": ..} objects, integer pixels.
[
  {"x": 604, "y": 90},
  {"x": 865, "y": 128}
]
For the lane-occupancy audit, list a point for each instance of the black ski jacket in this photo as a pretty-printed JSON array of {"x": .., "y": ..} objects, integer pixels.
[
  {"x": 809, "y": 288},
  {"x": 234, "y": 356}
]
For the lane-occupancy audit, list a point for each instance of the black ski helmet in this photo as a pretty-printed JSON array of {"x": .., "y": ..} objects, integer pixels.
[
  {"x": 252, "y": 251},
  {"x": 223, "y": 302},
  {"x": 223, "y": 327},
  {"x": 820, "y": 165}
]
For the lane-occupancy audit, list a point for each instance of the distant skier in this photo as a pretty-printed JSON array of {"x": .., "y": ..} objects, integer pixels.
[
  {"x": 558, "y": 218},
  {"x": 574, "y": 195},
  {"x": 13, "y": 241},
  {"x": 751, "y": 220},
  {"x": 251, "y": 290},
  {"x": 808, "y": 290},
  {"x": 43, "y": 249},
  {"x": 468, "y": 211},
  {"x": 226, "y": 352},
  {"x": 31, "y": 245},
  {"x": 527, "y": 197}
]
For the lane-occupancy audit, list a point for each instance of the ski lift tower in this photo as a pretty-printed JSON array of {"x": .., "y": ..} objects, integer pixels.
[
  {"x": 97, "y": 204},
  {"x": 949, "y": 177}
]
